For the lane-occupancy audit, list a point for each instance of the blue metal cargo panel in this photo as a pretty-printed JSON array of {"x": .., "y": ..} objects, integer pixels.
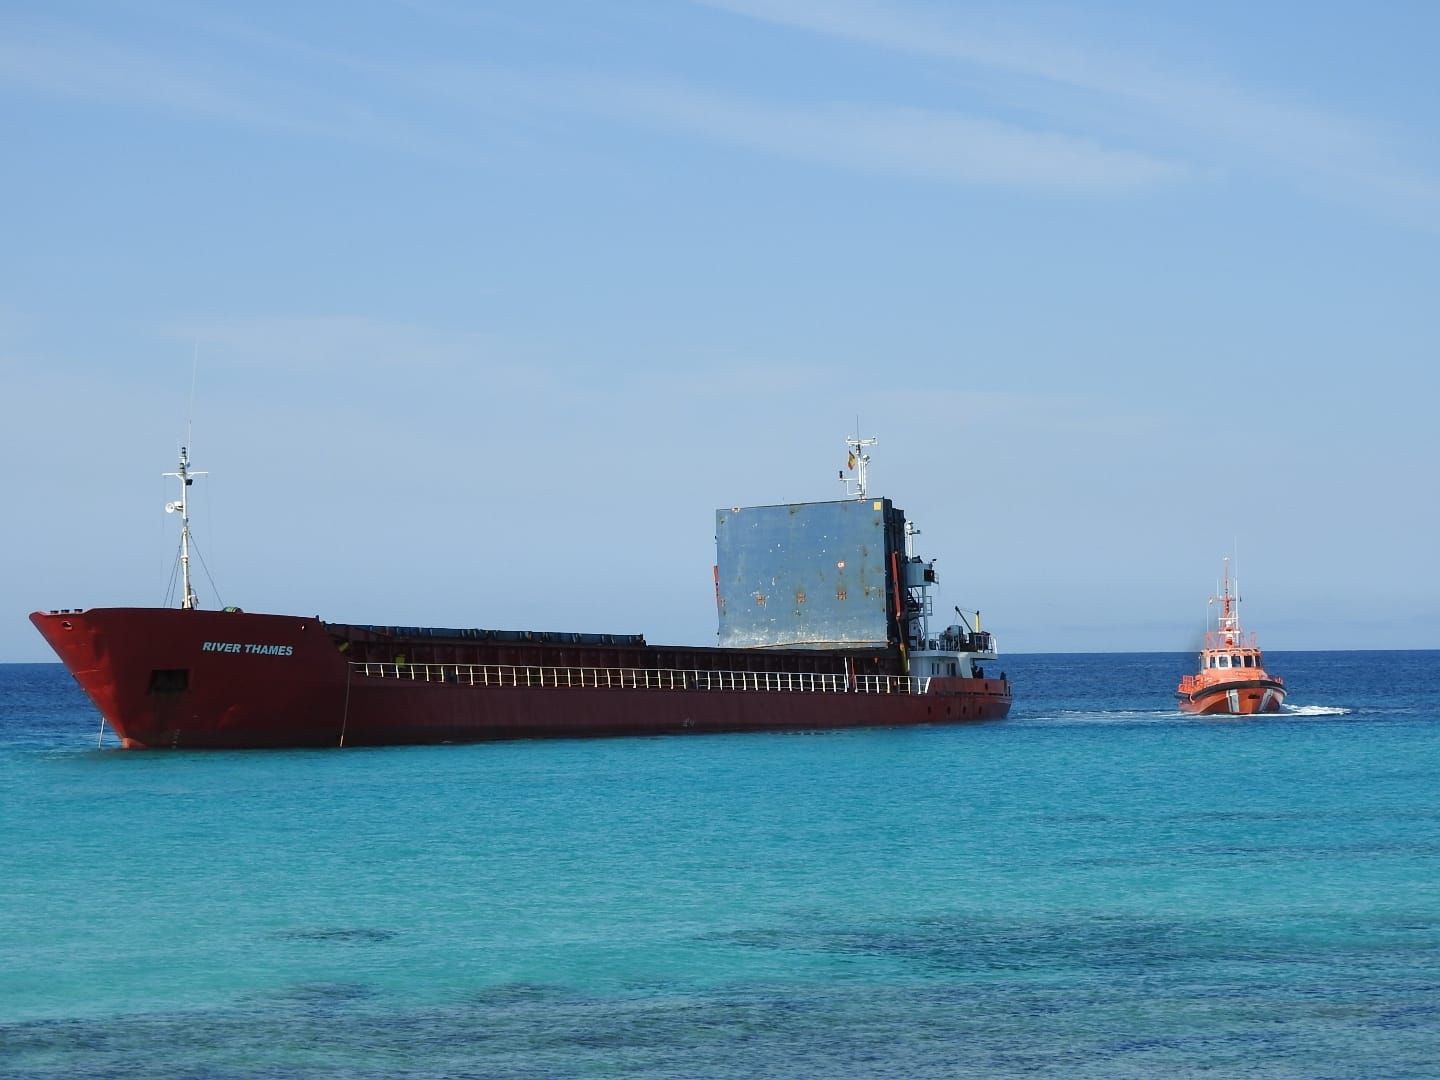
[{"x": 804, "y": 575}]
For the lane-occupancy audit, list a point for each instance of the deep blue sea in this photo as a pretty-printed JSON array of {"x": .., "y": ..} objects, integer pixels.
[{"x": 1096, "y": 887}]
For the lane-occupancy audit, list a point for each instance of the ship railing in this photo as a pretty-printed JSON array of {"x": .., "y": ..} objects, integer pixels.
[
  {"x": 1190, "y": 682},
  {"x": 978, "y": 642},
  {"x": 599, "y": 678},
  {"x": 1223, "y": 639}
]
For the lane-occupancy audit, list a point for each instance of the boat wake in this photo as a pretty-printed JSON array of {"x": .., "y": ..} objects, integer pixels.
[{"x": 1166, "y": 716}]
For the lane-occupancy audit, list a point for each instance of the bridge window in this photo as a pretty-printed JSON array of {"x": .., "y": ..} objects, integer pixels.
[{"x": 1224, "y": 661}]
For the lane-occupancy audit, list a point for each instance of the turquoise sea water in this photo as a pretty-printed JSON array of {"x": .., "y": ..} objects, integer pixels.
[{"x": 1095, "y": 887}]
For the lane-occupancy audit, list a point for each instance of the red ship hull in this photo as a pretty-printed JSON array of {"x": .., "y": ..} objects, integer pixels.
[{"x": 185, "y": 679}]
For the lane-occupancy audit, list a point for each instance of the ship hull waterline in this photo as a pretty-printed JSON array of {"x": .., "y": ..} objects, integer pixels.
[
  {"x": 1240, "y": 698},
  {"x": 167, "y": 679}
]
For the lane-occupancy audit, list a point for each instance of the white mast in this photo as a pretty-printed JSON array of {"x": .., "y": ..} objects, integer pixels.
[
  {"x": 910, "y": 533},
  {"x": 188, "y": 599},
  {"x": 858, "y": 462},
  {"x": 1227, "y": 623}
]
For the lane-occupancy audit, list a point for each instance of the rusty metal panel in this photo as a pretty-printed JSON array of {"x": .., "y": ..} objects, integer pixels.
[{"x": 812, "y": 575}]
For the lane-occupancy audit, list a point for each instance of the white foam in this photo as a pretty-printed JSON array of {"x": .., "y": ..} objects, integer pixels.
[
  {"x": 1139, "y": 716},
  {"x": 1315, "y": 710}
]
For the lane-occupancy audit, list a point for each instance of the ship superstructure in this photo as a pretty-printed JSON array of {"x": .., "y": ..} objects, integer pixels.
[{"x": 835, "y": 575}]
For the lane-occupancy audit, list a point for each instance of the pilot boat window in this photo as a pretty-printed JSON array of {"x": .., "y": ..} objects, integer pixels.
[
  {"x": 1234, "y": 661},
  {"x": 1224, "y": 661}
]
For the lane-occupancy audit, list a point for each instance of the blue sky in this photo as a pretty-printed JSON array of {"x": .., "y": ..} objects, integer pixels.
[{"x": 488, "y": 307}]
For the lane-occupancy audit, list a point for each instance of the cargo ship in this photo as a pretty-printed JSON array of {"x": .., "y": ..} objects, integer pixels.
[
  {"x": 1232, "y": 678},
  {"x": 824, "y": 622}
]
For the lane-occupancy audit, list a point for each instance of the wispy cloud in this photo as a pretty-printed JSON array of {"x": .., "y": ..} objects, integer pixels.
[
  {"x": 1210, "y": 118},
  {"x": 1088, "y": 118},
  {"x": 1211, "y": 104},
  {"x": 62, "y": 62},
  {"x": 327, "y": 343},
  {"x": 932, "y": 144},
  {"x": 935, "y": 144},
  {"x": 59, "y": 60},
  {"x": 362, "y": 99}
]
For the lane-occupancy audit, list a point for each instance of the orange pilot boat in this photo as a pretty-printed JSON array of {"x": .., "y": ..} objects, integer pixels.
[{"x": 1232, "y": 677}]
